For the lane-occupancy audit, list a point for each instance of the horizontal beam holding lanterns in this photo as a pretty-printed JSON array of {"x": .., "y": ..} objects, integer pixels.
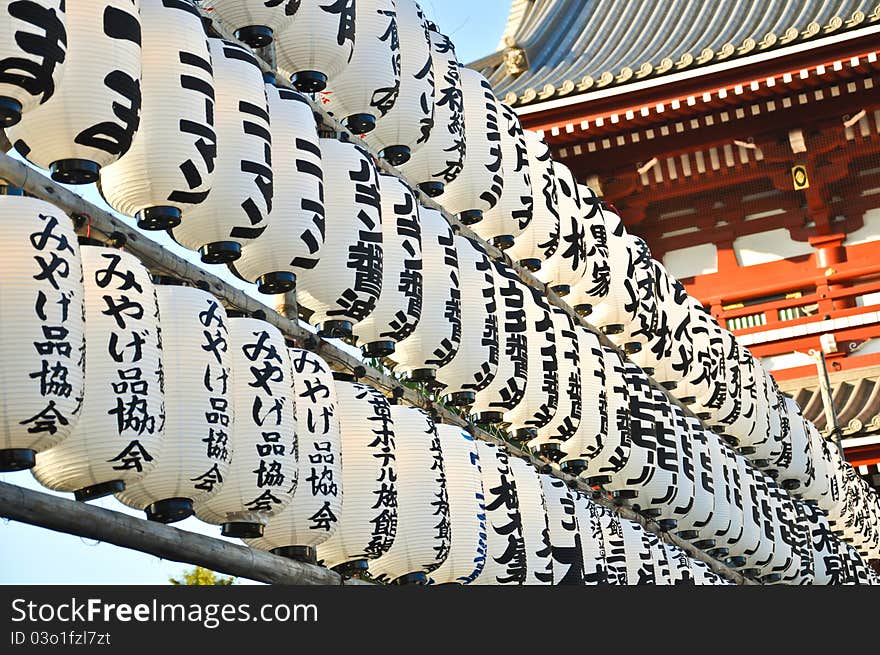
[{"x": 63, "y": 515}]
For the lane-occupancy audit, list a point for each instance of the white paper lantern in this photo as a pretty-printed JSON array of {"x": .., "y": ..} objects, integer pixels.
[
  {"x": 33, "y": 47},
  {"x": 407, "y": 125},
  {"x": 593, "y": 286},
  {"x": 196, "y": 368},
  {"x": 42, "y": 343},
  {"x": 615, "y": 548},
  {"x": 312, "y": 517},
  {"x": 616, "y": 314},
  {"x": 440, "y": 159},
  {"x": 795, "y": 465},
  {"x": 317, "y": 44},
  {"x": 170, "y": 165},
  {"x": 541, "y": 238},
  {"x": 92, "y": 118},
  {"x": 344, "y": 286},
  {"x": 237, "y": 209},
  {"x": 475, "y": 363},
  {"x": 640, "y": 566},
  {"x": 746, "y": 546},
  {"x": 639, "y": 313},
  {"x": 759, "y": 562},
  {"x": 368, "y": 517},
  {"x": 734, "y": 534},
  {"x": 692, "y": 524},
  {"x": 513, "y": 211},
  {"x": 568, "y": 263},
  {"x": 568, "y": 559},
  {"x": 467, "y": 510},
  {"x": 589, "y": 437},
  {"x": 506, "y": 550},
  {"x": 662, "y": 567},
  {"x": 659, "y": 494},
  {"x": 294, "y": 237},
  {"x": 820, "y": 485},
  {"x": 535, "y": 527},
  {"x": 120, "y": 433},
  {"x": 437, "y": 337},
  {"x": 592, "y": 540},
  {"x": 683, "y": 500},
  {"x": 506, "y": 389},
  {"x": 720, "y": 523},
  {"x": 254, "y": 21},
  {"x": 567, "y": 418},
  {"x": 541, "y": 397},
  {"x": 399, "y": 307},
  {"x": 783, "y": 555},
  {"x": 421, "y": 543},
  {"x": 262, "y": 440},
  {"x": 369, "y": 85}
]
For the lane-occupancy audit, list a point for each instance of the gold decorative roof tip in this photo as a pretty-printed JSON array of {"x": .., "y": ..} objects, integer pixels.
[
  {"x": 790, "y": 35},
  {"x": 687, "y": 59},
  {"x": 706, "y": 54},
  {"x": 567, "y": 87},
  {"x": 516, "y": 62},
  {"x": 644, "y": 70},
  {"x": 726, "y": 51},
  {"x": 547, "y": 91},
  {"x": 587, "y": 82},
  {"x": 748, "y": 45},
  {"x": 605, "y": 79},
  {"x": 511, "y": 98},
  {"x": 625, "y": 75},
  {"x": 834, "y": 24},
  {"x": 665, "y": 65},
  {"x": 812, "y": 30},
  {"x": 768, "y": 41}
]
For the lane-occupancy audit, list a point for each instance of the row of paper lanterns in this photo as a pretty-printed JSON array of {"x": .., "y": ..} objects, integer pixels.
[{"x": 155, "y": 393}]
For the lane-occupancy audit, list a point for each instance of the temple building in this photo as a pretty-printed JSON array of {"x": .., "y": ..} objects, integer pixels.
[{"x": 741, "y": 139}]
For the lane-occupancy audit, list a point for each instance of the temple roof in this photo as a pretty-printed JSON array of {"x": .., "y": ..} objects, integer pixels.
[{"x": 557, "y": 48}]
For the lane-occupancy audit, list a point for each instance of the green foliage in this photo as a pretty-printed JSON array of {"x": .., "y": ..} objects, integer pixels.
[{"x": 202, "y": 576}]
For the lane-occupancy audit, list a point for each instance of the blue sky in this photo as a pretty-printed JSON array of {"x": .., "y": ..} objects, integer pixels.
[{"x": 30, "y": 555}]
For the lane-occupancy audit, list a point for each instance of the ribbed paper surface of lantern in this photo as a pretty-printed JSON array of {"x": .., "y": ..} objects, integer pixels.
[
  {"x": 568, "y": 559},
  {"x": 541, "y": 397},
  {"x": 760, "y": 562},
  {"x": 683, "y": 501},
  {"x": 262, "y": 436},
  {"x": 720, "y": 523},
  {"x": 568, "y": 264},
  {"x": 475, "y": 364},
  {"x": 734, "y": 496},
  {"x": 513, "y": 211},
  {"x": 317, "y": 44},
  {"x": 407, "y": 125},
  {"x": 729, "y": 377},
  {"x": 368, "y": 517},
  {"x": 120, "y": 432},
  {"x": 345, "y": 284},
  {"x": 640, "y": 566},
  {"x": 641, "y": 310},
  {"x": 567, "y": 419},
  {"x": 805, "y": 574},
  {"x": 795, "y": 466},
  {"x": 237, "y": 209},
  {"x": 782, "y": 536},
  {"x": 820, "y": 485},
  {"x": 170, "y": 164},
  {"x": 313, "y": 515},
  {"x": 741, "y": 424},
  {"x": 506, "y": 550},
  {"x": 661, "y": 490},
  {"x": 615, "y": 551},
  {"x": 508, "y": 386},
  {"x": 592, "y": 541},
  {"x": 750, "y": 539},
  {"x": 662, "y": 572},
  {"x": 254, "y": 21},
  {"x": 94, "y": 113},
  {"x": 589, "y": 437},
  {"x": 42, "y": 344},
  {"x": 680, "y": 569},
  {"x": 440, "y": 159},
  {"x": 31, "y": 73},
  {"x": 593, "y": 286},
  {"x": 617, "y": 310},
  {"x": 369, "y": 85},
  {"x": 535, "y": 528},
  {"x": 467, "y": 508},
  {"x": 422, "y": 541},
  {"x": 541, "y": 238},
  {"x": 693, "y": 521},
  {"x": 481, "y": 182},
  {"x": 437, "y": 337},
  {"x": 294, "y": 237},
  {"x": 399, "y": 307},
  {"x": 195, "y": 364}
]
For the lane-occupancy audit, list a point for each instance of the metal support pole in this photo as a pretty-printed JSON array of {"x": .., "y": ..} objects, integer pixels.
[{"x": 827, "y": 399}]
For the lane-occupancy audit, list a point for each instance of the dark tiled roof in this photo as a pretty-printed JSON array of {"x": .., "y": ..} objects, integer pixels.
[{"x": 557, "y": 48}]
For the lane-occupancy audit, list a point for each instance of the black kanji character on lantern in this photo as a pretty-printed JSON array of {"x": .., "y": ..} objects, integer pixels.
[
  {"x": 208, "y": 480},
  {"x": 46, "y": 420},
  {"x": 132, "y": 457}
]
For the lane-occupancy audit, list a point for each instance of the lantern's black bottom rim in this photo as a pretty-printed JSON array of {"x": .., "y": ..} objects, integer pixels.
[
  {"x": 649, "y": 370},
  {"x": 751, "y": 573},
  {"x": 335, "y": 330},
  {"x": 718, "y": 553},
  {"x": 488, "y": 418},
  {"x": 432, "y": 189},
  {"x": 525, "y": 434},
  {"x": 348, "y": 569},
  {"x": 731, "y": 441},
  {"x": 574, "y": 466},
  {"x": 704, "y": 416},
  {"x": 276, "y": 282},
  {"x": 667, "y": 525},
  {"x": 158, "y": 218},
  {"x": 471, "y": 216},
  {"x": 669, "y": 385},
  {"x": 632, "y": 347},
  {"x": 423, "y": 375},
  {"x": 583, "y": 310},
  {"x": 10, "y": 112},
  {"x": 598, "y": 480},
  {"x": 561, "y": 290},
  {"x": 627, "y": 494},
  {"x": 242, "y": 530},
  {"x": 17, "y": 459},
  {"x": 396, "y": 155},
  {"x": 612, "y": 328},
  {"x": 503, "y": 241},
  {"x": 531, "y": 265},
  {"x": 550, "y": 450},
  {"x": 90, "y": 241},
  {"x": 100, "y": 490},
  {"x": 760, "y": 463},
  {"x": 360, "y": 123},
  {"x": 256, "y": 36},
  {"x": 378, "y": 348},
  {"x": 651, "y": 512},
  {"x": 74, "y": 171},
  {"x": 417, "y": 578},
  {"x": 220, "y": 252},
  {"x": 688, "y": 535},
  {"x": 791, "y": 485},
  {"x": 344, "y": 377},
  {"x": 771, "y": 578},
  {"x": 309, "y": 81},
  {"x": 773, "y": 473},
  {"x": 748, "y": 450},
  {"x": 170, "y": 510},
  {"x": 688, "y": 400},
  {"x": 736, "y": 562},
  {"x": 461, "y": 399},
  {"x": 717, "y": 429},
  {"x": 305, "y": 554},
  {"x": 704, "y": 544}
]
